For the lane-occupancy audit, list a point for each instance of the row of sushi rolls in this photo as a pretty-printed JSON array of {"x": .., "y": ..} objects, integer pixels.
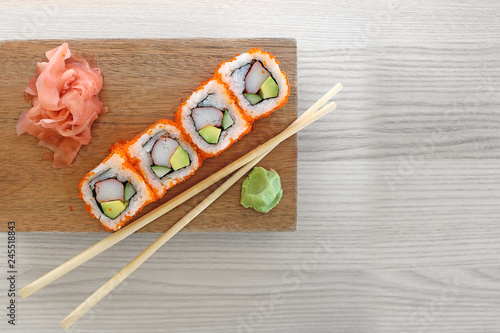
[{"x": 217, "y": 114}]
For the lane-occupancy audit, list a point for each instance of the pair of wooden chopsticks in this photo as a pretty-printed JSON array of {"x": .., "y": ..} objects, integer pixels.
[{"x": 244, "y": 164}]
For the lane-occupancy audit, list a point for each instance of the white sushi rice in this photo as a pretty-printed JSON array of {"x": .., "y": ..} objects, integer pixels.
[
  {"x": 233, "y": 74},
  {"x": 141, "y": 149},
  {"x": 213, "y": 94},
  {"x": 115, "y": 167}
]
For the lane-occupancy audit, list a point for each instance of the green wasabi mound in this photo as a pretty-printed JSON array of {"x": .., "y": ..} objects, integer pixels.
[{"x": 261, "y": 190}]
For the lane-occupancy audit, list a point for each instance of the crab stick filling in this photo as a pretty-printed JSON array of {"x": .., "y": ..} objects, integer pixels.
[
  {"x": 167, "y": 155},
  {"x": 259, "y": 83},
  {"x": 113, "y": 196},
  {"x": 210, "y": 122}
]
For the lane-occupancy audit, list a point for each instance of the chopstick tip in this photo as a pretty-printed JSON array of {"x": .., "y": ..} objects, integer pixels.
[
  {"x": 65, "y": 324},
  {"x": 23, "y": 292}
]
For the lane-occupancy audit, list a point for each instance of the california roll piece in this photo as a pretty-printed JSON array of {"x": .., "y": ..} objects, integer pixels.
[
  {"x": 114, "y": 191},
  {"x": 256, "y": 81},
  {"x": 163, "y": 156},
  {"x": 211, "y": 119}
]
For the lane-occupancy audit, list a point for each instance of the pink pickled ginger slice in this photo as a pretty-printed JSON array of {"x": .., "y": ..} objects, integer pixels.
[{"x": 65, "y": 104}]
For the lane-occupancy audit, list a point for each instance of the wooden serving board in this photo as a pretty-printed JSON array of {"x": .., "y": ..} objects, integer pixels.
[{"x": 144, "y": 80}]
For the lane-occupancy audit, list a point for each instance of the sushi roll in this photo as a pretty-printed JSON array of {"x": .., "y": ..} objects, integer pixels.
[
  {"x": 114, "y": 191},
  {"x": 211, "y": 119},
  {"x": 163, "y": 156},
  {"x": 256, "y": 82}
]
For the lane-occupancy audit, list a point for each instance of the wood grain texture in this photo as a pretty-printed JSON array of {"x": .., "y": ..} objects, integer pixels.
[
  {"x": 145, "y": 80},
  {"x": 420, "y": 256}
]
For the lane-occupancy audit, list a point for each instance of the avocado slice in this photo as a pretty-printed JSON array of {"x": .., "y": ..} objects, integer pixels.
[
  {"x": 179, "y": 159},
  {"x": 113, "y": 208},
  {"x": 210, "y": 133},
  {"x": 268, "y": 89},
  {"x": 159, "y": 171},
  {"x": 253, "y": 98},
  {"x": 227, "y": 121},
  {"x": 129, "y": 191}
]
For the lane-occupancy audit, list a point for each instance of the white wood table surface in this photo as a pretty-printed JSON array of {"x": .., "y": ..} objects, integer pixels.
[{"x": 399, "y": 189}]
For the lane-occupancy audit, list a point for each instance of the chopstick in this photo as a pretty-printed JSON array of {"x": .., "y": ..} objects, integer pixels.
[
  {"x": 106, "y": 288},
  {"x": 123, "y": 233}
]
